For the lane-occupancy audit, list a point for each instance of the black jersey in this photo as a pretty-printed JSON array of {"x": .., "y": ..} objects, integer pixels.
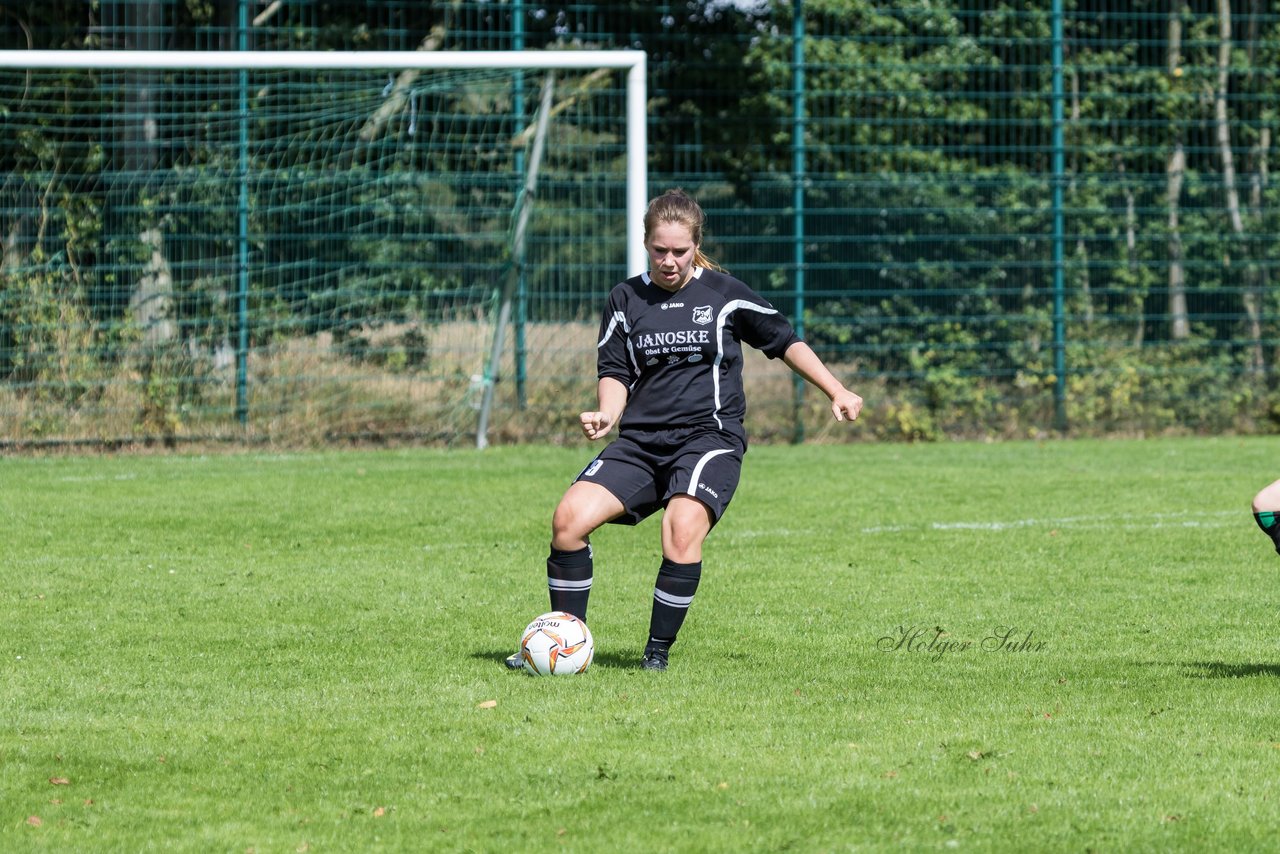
[{"x": 680, "y": 354}]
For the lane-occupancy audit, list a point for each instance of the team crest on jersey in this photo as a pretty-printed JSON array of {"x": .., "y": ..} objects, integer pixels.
[{"x": 702, "y": 314}]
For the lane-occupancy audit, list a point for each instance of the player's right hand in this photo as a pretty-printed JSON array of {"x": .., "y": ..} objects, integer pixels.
[{"x": 596, "y": 424}]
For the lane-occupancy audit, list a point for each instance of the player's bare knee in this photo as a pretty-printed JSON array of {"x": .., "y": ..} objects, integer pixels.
[
  {"x": 1268, "y": 498},
  {"x": 567, "y": 531},
  {"x": 563, "y": 530},
  {"x": 682, "y": 542},
  {"x": 690, "y": 552}
]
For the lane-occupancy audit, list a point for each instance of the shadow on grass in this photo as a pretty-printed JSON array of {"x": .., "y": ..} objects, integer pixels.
[
  {"x": 1228, "y": 670},
  {"x": 611, "y": 660}
]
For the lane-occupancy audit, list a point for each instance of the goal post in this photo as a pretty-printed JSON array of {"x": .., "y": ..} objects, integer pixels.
[{"x": 212, "y": 160}]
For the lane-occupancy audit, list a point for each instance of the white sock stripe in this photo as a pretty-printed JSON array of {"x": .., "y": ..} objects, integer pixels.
[
  {"x": 672, "y": 601},
  {"x": 561, "y": 584}
]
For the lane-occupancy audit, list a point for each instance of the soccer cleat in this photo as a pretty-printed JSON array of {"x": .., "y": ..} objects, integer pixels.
[
  {"x": 514, "y": 661},
  {"x": 654, "y": 659}
]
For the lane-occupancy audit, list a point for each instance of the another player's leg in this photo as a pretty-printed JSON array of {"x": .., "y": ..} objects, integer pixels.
[
  {"x": 1266, "y": 512},
  {"x": 685, "y": 525}
]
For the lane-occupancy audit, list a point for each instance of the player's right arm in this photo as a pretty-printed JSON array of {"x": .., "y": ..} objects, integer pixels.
[
  {"x": 615, "y": 368},
  {"x": 611, "y": 399}
]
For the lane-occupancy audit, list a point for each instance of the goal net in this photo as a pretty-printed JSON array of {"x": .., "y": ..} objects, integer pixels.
[{"x": 305, "y": 247}]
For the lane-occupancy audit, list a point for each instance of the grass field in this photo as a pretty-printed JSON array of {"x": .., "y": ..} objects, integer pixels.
[{"x": 302, "y": 653}]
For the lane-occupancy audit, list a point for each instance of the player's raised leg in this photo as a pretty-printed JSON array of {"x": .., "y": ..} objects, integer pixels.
[{"x": 1266, "y": 512}]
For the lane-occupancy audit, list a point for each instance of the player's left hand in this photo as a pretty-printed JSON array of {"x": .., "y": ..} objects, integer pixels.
[{"x": 846, "y": 405}]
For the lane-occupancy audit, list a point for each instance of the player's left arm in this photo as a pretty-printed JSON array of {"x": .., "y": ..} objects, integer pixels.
[{"x": 800, "y": 358}]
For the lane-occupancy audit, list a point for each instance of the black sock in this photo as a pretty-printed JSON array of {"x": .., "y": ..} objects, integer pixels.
[
  {"x": 672, "y": 595},
  {"x": 1269, "y": 522},
  {"x": 569, "y": 580}
]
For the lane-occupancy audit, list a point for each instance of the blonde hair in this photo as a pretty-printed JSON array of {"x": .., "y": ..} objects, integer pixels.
[{"x": 679, "y": 208}]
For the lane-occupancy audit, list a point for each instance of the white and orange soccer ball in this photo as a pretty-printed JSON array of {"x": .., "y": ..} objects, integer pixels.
[{"x": 557, "y": 644}]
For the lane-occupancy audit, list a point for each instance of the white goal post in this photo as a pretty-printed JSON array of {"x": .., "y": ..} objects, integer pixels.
[{"x": 633, "y": 61}]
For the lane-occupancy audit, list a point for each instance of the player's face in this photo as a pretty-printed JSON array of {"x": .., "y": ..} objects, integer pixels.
[{"x": 671, "y": 252}]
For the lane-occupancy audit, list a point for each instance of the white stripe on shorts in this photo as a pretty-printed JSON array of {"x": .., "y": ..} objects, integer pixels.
[{"x": 697, "y": 470}]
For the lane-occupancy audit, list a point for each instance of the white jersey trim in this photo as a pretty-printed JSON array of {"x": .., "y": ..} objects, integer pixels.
[
  {"x": 620, "y": 319},
  {"x": 696, "y": 274},
  {"x": 729, "y": 308}
]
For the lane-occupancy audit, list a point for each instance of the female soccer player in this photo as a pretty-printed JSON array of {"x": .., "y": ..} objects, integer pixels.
[{"x": 669, "y": 363}]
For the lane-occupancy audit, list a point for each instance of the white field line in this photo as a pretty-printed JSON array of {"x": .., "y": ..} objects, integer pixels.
[
  {"x": 1187, "y": 519},
  {"x": 96, "y": 478}
]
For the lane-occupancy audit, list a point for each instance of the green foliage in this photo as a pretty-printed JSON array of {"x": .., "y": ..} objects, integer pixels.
[
  {"x": 928, "y": 234},
  {"x": 46, "y": 338},
  {"x": 174, "y": 387},
  {"x": 398, "y": 351},
  {"x": 1110, "y": 389}
]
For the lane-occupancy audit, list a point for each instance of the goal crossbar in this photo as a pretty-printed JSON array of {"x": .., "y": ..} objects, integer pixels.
[{"x": 633, "y": 61}]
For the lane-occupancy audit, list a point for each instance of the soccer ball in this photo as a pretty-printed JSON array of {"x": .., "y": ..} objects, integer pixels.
[{"x": 557, "y": 644}]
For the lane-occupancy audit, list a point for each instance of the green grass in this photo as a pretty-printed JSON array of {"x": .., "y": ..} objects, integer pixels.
[{"x": 292, "y": 652}]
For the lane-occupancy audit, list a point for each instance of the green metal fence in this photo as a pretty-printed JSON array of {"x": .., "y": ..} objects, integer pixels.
[{"x": 993, "y": 219}]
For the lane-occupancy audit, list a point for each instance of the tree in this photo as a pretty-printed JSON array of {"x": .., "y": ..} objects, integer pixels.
[{"x": 135, "y": 236}]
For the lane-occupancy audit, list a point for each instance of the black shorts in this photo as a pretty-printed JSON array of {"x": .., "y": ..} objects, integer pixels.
[{"x": 645, "y": 469}]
